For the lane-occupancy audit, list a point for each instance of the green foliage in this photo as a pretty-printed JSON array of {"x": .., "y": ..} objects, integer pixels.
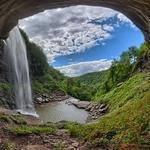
[
  {"x": 12, "y": 119},
  {"x": 102, "y": 142},
  {"x": 77, "y": 90},
  {"x": 121, "y": 69},
  {"x": 130, "y": 90},
  {"x": 47, "y": 84},
  {"x": 143, "y": 49},
  {"x": 26, "y": 130},
  {"x": 4, "y": 118},
  {"x": 100, "y": 83},
  {"x": 37, "y": 60},
  {"x": 92, "y": 78},
  {"x": 128, "y": 124},
  {"x": 5, "y": 87},
  {"x": 18, "y": 120}
]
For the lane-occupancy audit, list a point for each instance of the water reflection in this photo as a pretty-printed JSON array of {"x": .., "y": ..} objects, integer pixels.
[{"x": 58, "y": 111}]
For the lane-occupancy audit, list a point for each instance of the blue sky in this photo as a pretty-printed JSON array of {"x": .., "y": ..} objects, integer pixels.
[
  {"x": 121, "y": 39},
  {"x": 82, "y": 39}
]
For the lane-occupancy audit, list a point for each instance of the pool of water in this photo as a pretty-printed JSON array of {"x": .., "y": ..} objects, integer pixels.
[{"x": 58, "y": 111}]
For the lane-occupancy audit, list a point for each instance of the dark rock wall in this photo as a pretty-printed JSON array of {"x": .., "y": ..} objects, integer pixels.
[
  {"x": 6, "y": 94},
  {"x": 2, "y": 63},
  {"x": 12, "y": 10}
]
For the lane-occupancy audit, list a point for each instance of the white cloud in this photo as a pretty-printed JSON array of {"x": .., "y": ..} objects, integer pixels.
[
  {"x": 123, "y": 18},
  {"x": 68, "y": 30},
  {"x": 85, "y": 67}
]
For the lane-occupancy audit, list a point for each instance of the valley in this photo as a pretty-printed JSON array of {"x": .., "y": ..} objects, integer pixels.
[{"x": 69, "y": 80}]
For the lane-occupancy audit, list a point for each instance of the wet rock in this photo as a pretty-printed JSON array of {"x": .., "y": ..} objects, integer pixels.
[
  {"x": 45, "y": 141},
  {"x": 76, "y": 144},
  {"x": 39, "y": 99},
  {"x": 45, "y": 98},
  {"x": 103, "y": 110},
  {"x": 81, "y": 104},
  {"x": 89, "y": 107},
  {"x": 45, "y": 95},
  {"x": 102, "y": 106}
]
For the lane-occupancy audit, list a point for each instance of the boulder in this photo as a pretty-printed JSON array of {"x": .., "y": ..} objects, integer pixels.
[{"x": 81, "y": 104}]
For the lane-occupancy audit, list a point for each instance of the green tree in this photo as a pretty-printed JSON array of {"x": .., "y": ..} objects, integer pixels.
[{"x": 37, "y": 60}]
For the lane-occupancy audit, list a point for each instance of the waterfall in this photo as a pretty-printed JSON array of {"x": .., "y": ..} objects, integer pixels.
[{"x": 16, "y": 55}]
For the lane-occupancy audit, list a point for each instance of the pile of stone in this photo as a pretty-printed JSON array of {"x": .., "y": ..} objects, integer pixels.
[
  {"x": 45, "y": 98},
  {"x": 95, "y": 109}
]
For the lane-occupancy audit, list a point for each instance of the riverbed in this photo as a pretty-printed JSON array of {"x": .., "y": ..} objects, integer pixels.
[{"x": 58, "y": 111}]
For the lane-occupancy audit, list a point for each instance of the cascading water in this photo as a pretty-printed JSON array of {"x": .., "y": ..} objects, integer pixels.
[{"x": 15, "y": 49}]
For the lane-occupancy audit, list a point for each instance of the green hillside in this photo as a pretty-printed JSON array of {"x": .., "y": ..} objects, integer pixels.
[
  {"x": 126, "y": 91},
  {"x": 93, "y": 78},
  {"x": 100, "y": 83},
  {"x": 127, "y": 122}
]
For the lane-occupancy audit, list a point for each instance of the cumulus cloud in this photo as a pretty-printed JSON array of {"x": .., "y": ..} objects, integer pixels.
[
  {"x": 85, "y": 67},
  {"x": 65, "y": 31}
]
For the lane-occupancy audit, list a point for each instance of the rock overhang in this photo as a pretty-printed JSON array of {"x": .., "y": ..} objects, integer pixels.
[{"x": 13, "y": 10}]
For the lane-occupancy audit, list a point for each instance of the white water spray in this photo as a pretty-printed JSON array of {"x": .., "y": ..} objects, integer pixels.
[{"x": 19, "y": 72}]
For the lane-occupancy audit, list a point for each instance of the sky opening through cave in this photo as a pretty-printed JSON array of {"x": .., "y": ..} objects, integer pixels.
[{"x": 81, "y": 39}]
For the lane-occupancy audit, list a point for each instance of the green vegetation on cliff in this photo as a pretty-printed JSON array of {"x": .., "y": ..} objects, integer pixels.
[
  {"x": 128, "y": 121},
  {"x": 45, "y": 79},
  {"x": 37, "y": 60},
  {"x": 133, "y": 89},
  {"x": 100, "y": 83},
  {"x": 127, "y": 93}
]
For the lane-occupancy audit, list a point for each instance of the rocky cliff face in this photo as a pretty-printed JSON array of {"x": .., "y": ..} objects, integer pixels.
[
  {"x": 12, "y": 10},
  {"x": 6, "y": 96},
  {"x": 3, "y": 70}
]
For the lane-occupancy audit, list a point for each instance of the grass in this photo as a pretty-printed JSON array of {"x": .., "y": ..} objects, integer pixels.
[
  {"x": 15, "y": 124},
  {"x": 129, "y": 124},
  {"x": 133, "y": 89},
  {"x": 5, "y": 118},
  {"x": 128, "y": 121},
  {"x": 26, "y": 130},
  {"x": 12, "y": 119}
]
